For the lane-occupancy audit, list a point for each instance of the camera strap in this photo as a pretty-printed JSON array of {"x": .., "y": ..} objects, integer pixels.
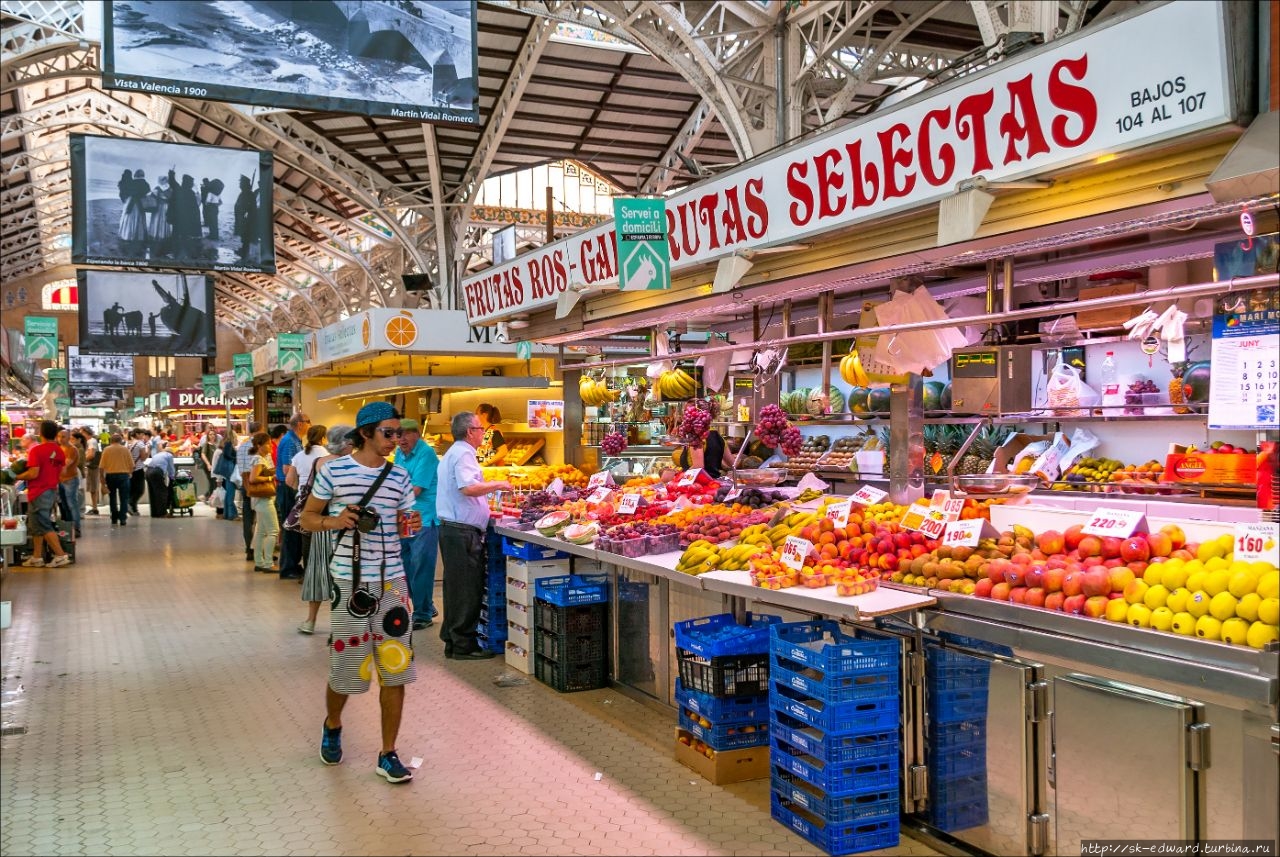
[{"x": 355, "y": 538}]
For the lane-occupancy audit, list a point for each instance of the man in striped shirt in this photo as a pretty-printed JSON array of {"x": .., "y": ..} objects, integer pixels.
[{"x": 370, "y": 608}]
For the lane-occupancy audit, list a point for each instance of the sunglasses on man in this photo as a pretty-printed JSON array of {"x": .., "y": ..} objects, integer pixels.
[{"x": 391, "y": 432}]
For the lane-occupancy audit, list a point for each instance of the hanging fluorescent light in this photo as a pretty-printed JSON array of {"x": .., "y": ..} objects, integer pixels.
[{"x": 961, "y": 214}]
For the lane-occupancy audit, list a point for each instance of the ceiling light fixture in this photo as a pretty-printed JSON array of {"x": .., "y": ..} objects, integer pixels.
[
  {"x": 731, "y": 269},
  {"x": 961, "y": 214}
]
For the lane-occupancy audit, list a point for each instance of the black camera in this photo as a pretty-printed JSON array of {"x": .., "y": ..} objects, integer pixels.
[
  {"x": 366, "y": 519},
  {"x": 362, "y": 603}
]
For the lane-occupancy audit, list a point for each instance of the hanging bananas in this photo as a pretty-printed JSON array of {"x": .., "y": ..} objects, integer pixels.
[
  {"x": 676, "y": 385},
  {"x": 851, "y": 370},
  {"x": 594, "y": 393}
]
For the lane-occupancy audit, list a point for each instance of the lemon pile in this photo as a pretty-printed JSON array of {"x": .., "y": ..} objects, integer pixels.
[{"x": 1213, "y": 597}]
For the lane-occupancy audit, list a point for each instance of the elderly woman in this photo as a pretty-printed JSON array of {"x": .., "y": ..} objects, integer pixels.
[{"x": 315, "y": 580}]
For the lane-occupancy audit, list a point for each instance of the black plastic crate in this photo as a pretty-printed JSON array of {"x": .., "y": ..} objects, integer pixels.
[
  {"x": 586, "y": 619},
  {"x": 569, "y": 678},
  {"x": 569, "y": 648},
  {"x": 725, "y": 675}
]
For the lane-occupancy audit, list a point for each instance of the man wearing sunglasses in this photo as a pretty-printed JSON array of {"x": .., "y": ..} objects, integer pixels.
[
  {"x": 464, "y": 520},
  {"x": 371, "y": 627}
]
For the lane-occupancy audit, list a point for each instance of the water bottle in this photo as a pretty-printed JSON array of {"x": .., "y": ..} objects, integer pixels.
[{"x": 1110, "y": 383}]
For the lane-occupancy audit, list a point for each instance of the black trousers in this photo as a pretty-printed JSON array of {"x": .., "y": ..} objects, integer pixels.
[
  {"x": 463, "y": 550},
  {"x": 137, "y": 484},
  {"x": 157, "y": 493},
  {"x": 118, "y": 496},
  {"x": 248, "y": 517}
]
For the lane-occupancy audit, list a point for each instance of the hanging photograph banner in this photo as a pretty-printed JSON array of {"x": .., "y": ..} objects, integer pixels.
[
  {"x": 146, "y": 313},
  {"x": 41, "y": 336},
  {"x": 243, "y": 367},
  {"x": 57, "y": 379},
  {"x": 95, "y": 395},
  {"x": 84, "y": 369},
  {"x": 413, "y": 60},
  {"x": 211, "y": 387},
  {"x": 151, "y": 204},
  {"x": 644, "y": 260},
  {"x": 292, "y": 351},
  {"x": 1244, "y": 389}
]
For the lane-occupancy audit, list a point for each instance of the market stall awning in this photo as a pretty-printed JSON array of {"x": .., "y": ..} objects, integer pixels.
[{"x": 412, "y": 383}]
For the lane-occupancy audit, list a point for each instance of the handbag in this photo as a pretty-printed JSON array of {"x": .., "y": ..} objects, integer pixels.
[
  {"x": 261, "y": 489},
  {"x": 293, "y": 520}
]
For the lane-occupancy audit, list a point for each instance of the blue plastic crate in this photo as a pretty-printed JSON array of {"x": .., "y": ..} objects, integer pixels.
[
  {"x": 957, "y": 706},
  {"x": 834, "y": 688},
  {"x": 957, "y": 791},
  {"x": 529, "y": 551},
  {"x": 712, "y": 636},
  {"x": 493, "y": 614},
  {"x": 572, "y": 590},
  {"x": 840, "y": 809},
  {"x": 948, "y": 670},
  {"x": 955, "y": 736},
  {"x": 839, "y": 718},
  {"x": 726, "y": 737},
  {"x": 956, "y": 817},
  {"x": 960, "y": 763},
  {"x": 717, "y": 709},
  {"x": 834, "y": 837},
  {"x": 820, "y": 645},
  {"x": 857, "y": 777},
  {"x": 832, "y": 748},
  {"x": 491, "y": 644}
]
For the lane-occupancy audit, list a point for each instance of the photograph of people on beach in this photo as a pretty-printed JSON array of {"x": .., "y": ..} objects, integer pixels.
[{"x": 111, "y": 370}]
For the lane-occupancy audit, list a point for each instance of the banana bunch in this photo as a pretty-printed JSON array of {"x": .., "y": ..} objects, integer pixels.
[
  {"x": 676, "y": 385},
  {"x": 699, "y": 558},
  {"x": 851, "y": 370},
  {"x": 809, "y": 494},
  {"x": 738, "y": 557},
  {"x": 593, "y": 393},
  {"x": 757, "y": 536}
]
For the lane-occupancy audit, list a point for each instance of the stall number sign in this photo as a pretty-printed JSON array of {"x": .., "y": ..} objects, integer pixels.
[
  {"x": 925, "y": 520},
  {"x": 838, "y": 514},
  {"x": 868, "y": 496},
  {"x": 598, "y": 480},
  {"x": 963, "y": 533},
  {"x": 690, "y": 476},
  {"x": 1112, "y": 522},
  {"x": 794, "y": 552},
  {"x": 628, "y": 504},
  {"x": 599, "y": 495},
  {"x": 1257, "y": 542}
]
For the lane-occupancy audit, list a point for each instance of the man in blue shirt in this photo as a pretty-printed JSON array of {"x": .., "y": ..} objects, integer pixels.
[
  {"x": 287, "y": 495},
  {"x": 419, "y": 550}
]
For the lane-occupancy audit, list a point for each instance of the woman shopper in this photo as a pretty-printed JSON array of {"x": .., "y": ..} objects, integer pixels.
[
  {"x": 225, "y": 467},
  {"x": 204, "y": 457},
  {"x": 315, "y": 580},
  {"x": 262, "y": 489},
  {"x": 493, "y": 442}
]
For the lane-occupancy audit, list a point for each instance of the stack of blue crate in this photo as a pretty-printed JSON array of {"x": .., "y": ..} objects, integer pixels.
[
  {"x": 957, "y": 739},
  {"x": 719, "y": 703},
  {"x": 835, "y": 753},
  {"x": 570, "y": 639},
  {"x": 491, "y": 630}
]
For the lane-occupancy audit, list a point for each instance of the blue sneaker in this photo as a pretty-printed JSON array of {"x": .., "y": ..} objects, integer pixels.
[
  {"x": 389, "y": 767},
  {"x": 331, "y": 745}
]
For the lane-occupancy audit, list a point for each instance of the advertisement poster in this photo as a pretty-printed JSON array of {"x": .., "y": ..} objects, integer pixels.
[
  {"x": 413, "y": 60},
  {"x": 644, "y": 259},
  {"x": 293, "y": 351},
  {"x": 546, "y": 413},
  {"x": 41, "y": 335},
  {"x": 243, "y": 367},
  {"x": 146, "y": 313},
  {"x": 1244, "y": 390},
  {"x": 152, "y": 204}
]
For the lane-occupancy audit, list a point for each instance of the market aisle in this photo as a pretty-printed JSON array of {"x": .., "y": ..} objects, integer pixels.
[{"x": 171, "y": 708}]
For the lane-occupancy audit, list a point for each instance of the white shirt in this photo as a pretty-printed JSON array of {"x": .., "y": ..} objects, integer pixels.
[
  {"x": 305, "y": 462},
  {"x": 459, "y": 469}
]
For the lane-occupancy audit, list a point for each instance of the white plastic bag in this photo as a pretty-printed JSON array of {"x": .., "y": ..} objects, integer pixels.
[
  {"x": 217, "y": 498},
  {"x": 1068, "y": 394}
]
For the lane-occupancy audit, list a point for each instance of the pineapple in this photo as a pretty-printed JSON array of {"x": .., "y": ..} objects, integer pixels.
[
  {"x": 950, "y": 440},
  {"x": 982, "y": 451},
  {"x": 1177, "y": 389},
  {"x": 882, "y": 435},
  {"x": 931, "y": 433}
]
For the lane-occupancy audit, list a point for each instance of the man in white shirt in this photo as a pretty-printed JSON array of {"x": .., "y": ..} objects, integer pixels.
[{"x": 464, "y": 521}]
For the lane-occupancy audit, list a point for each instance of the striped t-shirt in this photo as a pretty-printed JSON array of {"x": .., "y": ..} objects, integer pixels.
[{"x": 342, "y": 483}]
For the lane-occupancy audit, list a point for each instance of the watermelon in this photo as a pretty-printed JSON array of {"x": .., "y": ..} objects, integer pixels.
[
  {"x": 580, "y": 534},
  {"x": 946, "y": 397},
  {"x": 1197, "y": 378},
  {"x": 933, "y": 392},
  {"x": 814, "y": 403},
  {"x": 858, "y": 400},
  {"x": 552, "y": 523},
  {"x": 797, "y": 401},
  {"x": 878, "y": 400}
]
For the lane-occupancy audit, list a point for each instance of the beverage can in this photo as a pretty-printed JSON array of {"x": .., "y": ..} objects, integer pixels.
[{"x": 410, "y": 524}]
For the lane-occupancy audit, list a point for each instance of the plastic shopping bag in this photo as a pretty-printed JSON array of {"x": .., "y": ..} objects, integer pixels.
[
  {"x": 217, "y": 498},
  {"x": 1068, "y": 394}
]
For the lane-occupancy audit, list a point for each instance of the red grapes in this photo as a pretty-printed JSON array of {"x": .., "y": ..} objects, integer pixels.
[
  {"x": 791, "y": 441},
  {"x": 773, "y": 423},
  {"x": 613, "y": 443},
  {"x": 695, "y": 424}
]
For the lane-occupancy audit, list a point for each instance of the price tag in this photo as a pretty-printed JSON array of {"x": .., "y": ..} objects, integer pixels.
[
  {"x": 963, "y": 533},
  {"x": 600, "y": 480},
  {"x": 868, "y": 496},
  {"x": 951, "y": 507},
  {"x": 924, "y": 519},
  {"x": 628, "y": 504},
  {"x": 681, "y": 504},
  {"x": 689, "y": 477},
  {"x": 598, "y": 496},
  {"x": 1113, "y": 522},
  {"x": 933, "y": 527},
  {"x": 794, "y": 552},
  {"x": 556, "y": 487},
  {"x": 838, "y": 514},
  {"x": 1257, "y": 542},
  {"x": 733, "y": 494}
]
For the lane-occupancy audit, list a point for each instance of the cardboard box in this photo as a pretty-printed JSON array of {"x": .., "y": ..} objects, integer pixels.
[
  {"x": 1113, "y": 317},
  {"x": 1233, "y": 468},
  {"x": 726, "y": 766},
  {"x": 1009, "y": 451}
]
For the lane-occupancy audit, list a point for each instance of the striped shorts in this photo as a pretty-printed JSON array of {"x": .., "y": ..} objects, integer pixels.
[{"x": 381, "y": 642}]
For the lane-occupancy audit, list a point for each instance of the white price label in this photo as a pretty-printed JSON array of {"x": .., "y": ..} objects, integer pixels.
[
  {"x": 556, "y": 487},
  {"x": 598, "y": 495},
  {"x": 628, "y": 504},
  {"x": 868, "y": 496},
  {"x": 838, "y": 514},
  {"x": 794, "y": 552},
  {"x": 951, "y": 507},
  {"x": 932, "y": 527},
  {"x": 733, "y": 494},
  {"x": 963, "y": 533},
  {"x": 689, "y": 477},
  {"x": 1112, "y": 522},
  {"x": 599, "y": 480},
  {"x": 1257, "y": 542}
]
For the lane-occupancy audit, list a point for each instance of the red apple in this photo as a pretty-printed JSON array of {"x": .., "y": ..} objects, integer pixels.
[
  {"x": 1016, "y": 574},
  {"x": 1074, "y": 604},
  {"x": 1090, "y": 546},
  {"x": 996, "y": 569},
  {"x": 1120, "y": 578},
  {"x": 1113, "y": 562},
  {"x": 1071, "y": 538},
  {"x": 1096, "y": 607},
  {"x": 1051, "y": 542},
  {"x": 1073, "y": 584},
  {"x": 1053, "y": 579},
  {"x": 1018, "y": 594},
  {"x": 1022, "y": 559},
  {"x": 1000, "y": 592},
  {"x": 1135, "y": 549},
  {"x": 1058, "y": 561},
  {"x": 1160, "y": 543},
  {"x": 1175, "y": 534},
  {"x": 1035, "y": 597},
  {"x": 1034, "y": 576},
  {"x": 982, "y": 588},
  {"x": 1111, "y": 547},
  {"x": 1054, "y": 601},
  {"x": 1092, "y": 561},
  {"x": 1183, "y": 554},
  {"x": 1139, "y": 567},
  {"x": 1097, "y": 581}
]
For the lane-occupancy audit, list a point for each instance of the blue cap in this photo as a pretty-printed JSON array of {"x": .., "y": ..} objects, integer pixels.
[{"x": 374, "y": 413}]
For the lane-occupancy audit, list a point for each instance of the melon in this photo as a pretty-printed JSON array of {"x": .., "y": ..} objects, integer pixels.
[
  {"x": 552, "y": 523},
  {"x": 878, "y": 400},
  {"x": 797, "y": 401},
  {"x": 1197, "y": 379},
  {"x": 580, "y": 534},
  {"x": 814, "y": 402},
  {"x": 858, "y": 400}
]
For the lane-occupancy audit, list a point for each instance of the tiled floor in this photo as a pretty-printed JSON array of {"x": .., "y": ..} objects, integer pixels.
[{"x": 171, "y": 707}]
